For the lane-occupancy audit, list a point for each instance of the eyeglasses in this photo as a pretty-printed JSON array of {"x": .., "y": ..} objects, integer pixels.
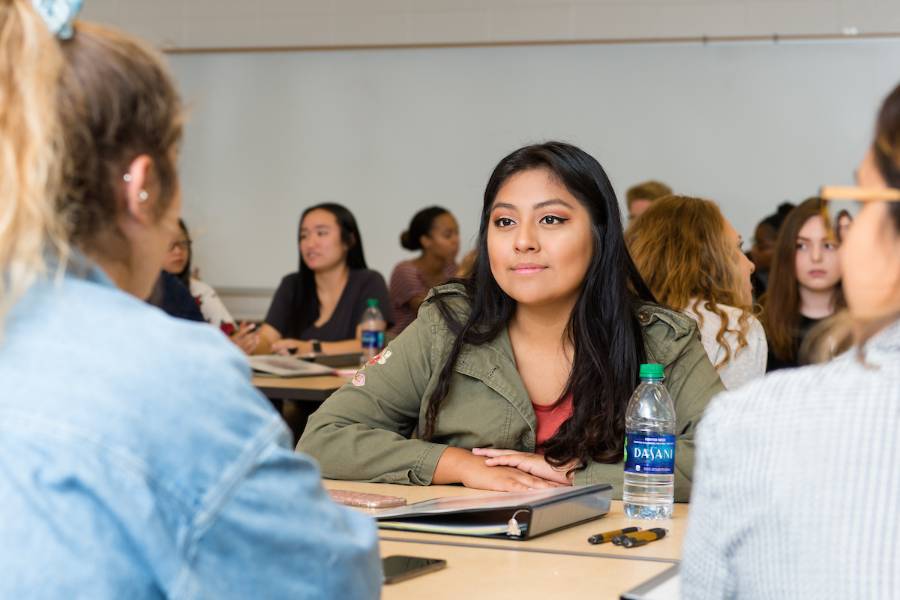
[
  {"x": 183, "y": 245},
  {"x": 840, "y": 205}
]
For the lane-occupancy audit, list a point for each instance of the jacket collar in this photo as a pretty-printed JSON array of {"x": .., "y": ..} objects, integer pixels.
[{"x": 494, "y": 365}]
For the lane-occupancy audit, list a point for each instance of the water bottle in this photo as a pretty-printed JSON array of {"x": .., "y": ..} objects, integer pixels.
[
  {"x": 649, "y": 489},
  {"x": 372, "y": 326}
]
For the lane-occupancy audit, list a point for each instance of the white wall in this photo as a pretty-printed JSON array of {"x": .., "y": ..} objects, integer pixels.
[
  {"x": 244, "y": 23},
  {"x": 389, "y": 131}
]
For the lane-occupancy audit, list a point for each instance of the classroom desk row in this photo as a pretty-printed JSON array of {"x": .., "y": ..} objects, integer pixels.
[
  {"x": 498, "y": 574},
  {"x": 561, "y": 564}
]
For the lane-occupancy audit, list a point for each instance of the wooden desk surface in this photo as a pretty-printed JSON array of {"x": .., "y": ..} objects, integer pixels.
[
  {"x": 571, "y": 541},
  {"x": 474, "y": 572},
  {"x": 315, "y": 389}
]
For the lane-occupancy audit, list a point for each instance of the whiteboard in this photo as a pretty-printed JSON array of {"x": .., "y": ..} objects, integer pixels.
[{"x": 386, "y": 132}]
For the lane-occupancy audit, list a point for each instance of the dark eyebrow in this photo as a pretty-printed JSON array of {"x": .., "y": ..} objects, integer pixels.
[
  {"x": 537, "y": 206},
  {"x": 551, "y": 202}
]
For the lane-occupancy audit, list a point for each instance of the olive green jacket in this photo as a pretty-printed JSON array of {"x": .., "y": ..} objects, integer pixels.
[{"x": 367, "y": 429}]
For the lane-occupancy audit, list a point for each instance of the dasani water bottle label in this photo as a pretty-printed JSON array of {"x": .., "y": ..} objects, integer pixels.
[
  {"x": 649, "y": 453},
  {"x": 373, "y": 339}
]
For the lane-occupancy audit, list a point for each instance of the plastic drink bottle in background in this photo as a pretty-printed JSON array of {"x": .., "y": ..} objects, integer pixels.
[
  {"x": 372, "y": 325},
  {"x": 649, "y": 489}
]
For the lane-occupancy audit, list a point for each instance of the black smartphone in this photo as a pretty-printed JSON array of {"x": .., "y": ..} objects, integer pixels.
[{"x": 398, "y": 568}]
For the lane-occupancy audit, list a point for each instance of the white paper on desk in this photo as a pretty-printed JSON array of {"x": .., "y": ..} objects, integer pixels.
[
  {"x": 287, "y": 366},
  {"x": 437, "y": 506}
]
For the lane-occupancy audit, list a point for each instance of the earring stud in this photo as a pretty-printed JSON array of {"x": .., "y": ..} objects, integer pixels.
[
  {"x": 143, "y": 195},
  {"x": 127, "y": 177}
]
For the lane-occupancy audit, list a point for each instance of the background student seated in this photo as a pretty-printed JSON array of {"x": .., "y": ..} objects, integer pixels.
[
  {"x": 324, "y": 300},
  {"x": 797, "y": 483},
  {"x": 139, "y": 462},
  {"x": 639, "y": 197},
  {"x": 691, "y": 258},
  {"x": 804, "y": 284},
  {"x": 521, "y": 378},
  {"x": 435, "y": 232},
  {"x": 178, "y": 263}
]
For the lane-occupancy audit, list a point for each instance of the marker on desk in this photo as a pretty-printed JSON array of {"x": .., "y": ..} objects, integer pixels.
[
  {"x": 607, "y": 536},
  {"x": 640, "y": 538}
]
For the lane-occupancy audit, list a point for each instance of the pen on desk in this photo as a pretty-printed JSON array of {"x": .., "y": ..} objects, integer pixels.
[
  {"x": 607, "y": 536},
  {"x": 640, "y": 538}
]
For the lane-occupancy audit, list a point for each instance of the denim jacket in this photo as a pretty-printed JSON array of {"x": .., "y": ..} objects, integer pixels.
[{"x": 137, "y": 461}]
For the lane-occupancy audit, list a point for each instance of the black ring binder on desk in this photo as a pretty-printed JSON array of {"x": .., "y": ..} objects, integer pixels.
[{"x": 508, "y": 515}]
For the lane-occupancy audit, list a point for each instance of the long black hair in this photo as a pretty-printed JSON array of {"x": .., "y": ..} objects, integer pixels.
[
  {"x": 305, "y": 290},
  {"x": 420, "y": 225},
  {"x": 603, "y": 327}
]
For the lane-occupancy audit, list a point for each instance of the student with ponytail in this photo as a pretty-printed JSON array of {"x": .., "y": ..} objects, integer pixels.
[
  {"x": 520, "y": 377},
  {"x": 138, "y": 459},
  {"x": 435, "y": 232}
]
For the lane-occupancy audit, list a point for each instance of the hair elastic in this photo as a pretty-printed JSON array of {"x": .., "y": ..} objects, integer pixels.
[{"x": 58, "y": 15}]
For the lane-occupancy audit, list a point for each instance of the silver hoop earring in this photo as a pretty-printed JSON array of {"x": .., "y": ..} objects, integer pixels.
[
  {"x": 127, "y": 177},
  {"x": 143, "y": 195}
]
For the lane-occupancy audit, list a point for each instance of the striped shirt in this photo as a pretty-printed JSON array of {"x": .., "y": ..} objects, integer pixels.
[{"x": 797, "y": 485}]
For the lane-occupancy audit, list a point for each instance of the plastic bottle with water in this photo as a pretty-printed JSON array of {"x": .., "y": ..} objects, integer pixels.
[
  {"x": 649, "y": 489},
  {"x": 372, "y": 326}
]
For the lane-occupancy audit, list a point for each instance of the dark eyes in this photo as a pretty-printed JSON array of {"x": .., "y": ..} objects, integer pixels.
[
  {"x": 546, "y": 220},
  {"x": 552, "y": 220}
]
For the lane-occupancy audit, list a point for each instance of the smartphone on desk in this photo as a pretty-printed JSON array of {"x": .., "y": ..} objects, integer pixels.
[{"x": 398, "y": 568}]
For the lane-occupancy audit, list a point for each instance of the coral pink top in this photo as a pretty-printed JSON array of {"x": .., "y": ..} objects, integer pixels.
[
  {"x": 549, "y": 418},
  {"x": 408, "y": 282}
]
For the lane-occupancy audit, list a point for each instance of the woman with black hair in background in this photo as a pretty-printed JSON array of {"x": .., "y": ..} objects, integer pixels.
[
  {"x": 520, "y": 377},
  {"x": 435, "y": 232},
  {"x": 178, "y": 263},
  {"x": 318, "y": 308},
  {"x": 764, "y": 237}
]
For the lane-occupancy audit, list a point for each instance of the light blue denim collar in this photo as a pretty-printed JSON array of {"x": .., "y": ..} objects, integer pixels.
[{"x": 79, "y": 266}]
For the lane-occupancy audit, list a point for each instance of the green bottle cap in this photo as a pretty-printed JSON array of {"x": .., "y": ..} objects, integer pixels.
[
  {"x": 372, "y": 302},
  {"x": 652, "y": 371}
]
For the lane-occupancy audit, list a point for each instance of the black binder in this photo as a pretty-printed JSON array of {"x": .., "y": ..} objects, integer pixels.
[{"x": 510, "y": 515}]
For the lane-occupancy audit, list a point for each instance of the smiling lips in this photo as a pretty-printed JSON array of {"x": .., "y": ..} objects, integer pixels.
[{"x": 528, "y": 268}]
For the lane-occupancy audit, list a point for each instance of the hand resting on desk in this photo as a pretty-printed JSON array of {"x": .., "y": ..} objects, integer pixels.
[
  {"x": 534, "y": 464},
  {"x": 457, "y": 465}
]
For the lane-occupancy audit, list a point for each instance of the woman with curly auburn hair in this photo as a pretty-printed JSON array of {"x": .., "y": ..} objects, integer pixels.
[{"x": 691, "y": 258}]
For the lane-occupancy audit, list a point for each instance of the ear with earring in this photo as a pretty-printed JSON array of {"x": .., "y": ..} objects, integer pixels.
[{"x": 142, "y": 195}]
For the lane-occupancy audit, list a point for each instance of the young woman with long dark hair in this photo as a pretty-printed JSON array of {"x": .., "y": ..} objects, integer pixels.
[
  {"x": 804, "y": 283},
  {"x": 318, "y": 308},
  {"x": 519, "y": 377}
]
